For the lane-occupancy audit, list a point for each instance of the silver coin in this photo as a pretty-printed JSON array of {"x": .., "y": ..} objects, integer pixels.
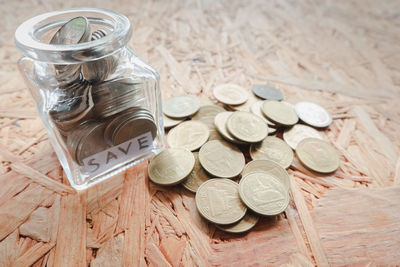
[
  {"x": 313, "y": 114},
  {"x": 267, "y": 92}
]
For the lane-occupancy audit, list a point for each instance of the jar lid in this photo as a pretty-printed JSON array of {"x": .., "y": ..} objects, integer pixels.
[{"x": 32, "y": 36}]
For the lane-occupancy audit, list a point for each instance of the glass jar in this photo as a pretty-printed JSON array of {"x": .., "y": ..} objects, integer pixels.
[{"x": 99, "y": 102}]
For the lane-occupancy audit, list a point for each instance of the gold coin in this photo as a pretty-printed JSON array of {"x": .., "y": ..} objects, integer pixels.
[
  {"x": 246, "y": 105},
  {"x": 279, "y": 112},
  {"x": 273, "y": 148},
  {"x": 244, "y": 225},
  {"x": 171, "y": 166},
  {"x": 220, "y": 124},
  {"x": 231, "y": 94},
  {"x": 269, "y": 167},
  {"x": 179, "y": 107},
  {"x": 218, "y": 201},
  {"x": 256, "y": 110},
  {"x": 206, "y": 115},
  {"x": 298, "y": 132},
  {"x": 318, "y": 155},
  {"x": 189, "y": 134},
  {"x": 247, "y": 127},
  {"x": 263, "y": 193},
  {"x": 221, "y": 159},
  {"x": 196, "y": 177},
  {"x": 170, "y": 122}
]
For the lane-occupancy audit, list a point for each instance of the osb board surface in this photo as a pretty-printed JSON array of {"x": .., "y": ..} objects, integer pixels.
[{"x": 342, "y": 54}]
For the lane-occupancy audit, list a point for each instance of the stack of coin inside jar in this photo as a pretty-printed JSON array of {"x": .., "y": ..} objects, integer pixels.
[
  {"x": 94, "y": 108},
  {"x": 210, "y": 144}
]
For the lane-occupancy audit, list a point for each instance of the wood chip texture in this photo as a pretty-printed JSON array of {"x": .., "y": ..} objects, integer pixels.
[{"x": 344, "y": 55}]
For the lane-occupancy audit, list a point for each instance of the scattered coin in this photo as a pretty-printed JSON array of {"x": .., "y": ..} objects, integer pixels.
[
  {"x": 221, "y": 159},
  {"x": 244, "y": 225},
  {"x": 263, "y": 193},
  {"x": 247, "y": 127},
  {"x": 313, "y": 114},
  {"x": 269, "y": 167},
  {"x": 218, "y": 201},
  {"x": 206, "y": 114},
  {"x": 281, "y": 113},
  {"x": 170, "y": 122},
  {"x": 273, "y": 148},
  {"x": 298, "y": 132},
  {"x": 196, "y": 177},
  {"x": 231, "y": 94},
  {"x": 179, "y": 107},
  {"x": 171, "y": 166},
  {"x": 317, "y": 155},
  {"x": 267, "y": 92},
  {"x": 256, "y": 110},
  {"x": 246, "y": 105},
  {"x": 220, "y": 123},
  {"x": 189, "y": 134}
]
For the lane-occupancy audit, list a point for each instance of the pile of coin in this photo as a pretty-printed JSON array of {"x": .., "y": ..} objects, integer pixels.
[
  {"x": 256, "y": 124},
  {"x": 93, "y": 110}
]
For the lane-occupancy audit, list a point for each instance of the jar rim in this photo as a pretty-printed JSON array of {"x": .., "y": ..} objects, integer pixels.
[{"x": 27, "y": 42}]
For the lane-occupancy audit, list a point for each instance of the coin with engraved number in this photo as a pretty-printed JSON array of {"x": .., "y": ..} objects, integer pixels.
[
  {"x": 189, "y": 134},
  {"x": 231, "y": 94},
  {"x": 170, "y": 122},
  {"x": 244, "y": 225},
  {"x": 270, "y": 167},
  {"x": 179, "y": 107},
  {"x": 197, "y": 177},
  {"x": 171, "y": 166},
  {"x": 281, "y": 113},
  {"x": 267, "y": 92},
  {"x": 318, "y": 155},
  {"x": 298, "y": 132},
  {"x": 263, "y": 193},
  {"x": 221, "y": 159},
  {"x": 218, "y": 201},
  {"x": 273, "y": 148},
  {"x": 247, "y": 127},
  {"x": 220, "y": 124},
  {"x": 313, "y": 114}
]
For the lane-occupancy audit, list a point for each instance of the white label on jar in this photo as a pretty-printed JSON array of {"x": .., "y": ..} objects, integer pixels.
[{"x": 103, "y": 160}]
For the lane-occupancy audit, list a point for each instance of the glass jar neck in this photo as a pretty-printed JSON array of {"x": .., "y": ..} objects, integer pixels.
[{"x": 33, "y": 36}]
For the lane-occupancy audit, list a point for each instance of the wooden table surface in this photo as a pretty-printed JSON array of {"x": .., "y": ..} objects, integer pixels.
[{"x": 344, "y": 55}]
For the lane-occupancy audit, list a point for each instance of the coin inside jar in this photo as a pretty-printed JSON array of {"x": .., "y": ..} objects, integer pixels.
[
  {"x": 131, "y": 124},
  {"x": 86, "y": 140}
]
